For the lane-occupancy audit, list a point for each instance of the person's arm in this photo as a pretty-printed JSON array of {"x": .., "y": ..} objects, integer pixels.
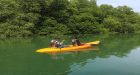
[
  {"x": 59, "y": 43},
  {"x": 62, "y": 41},
  {"x": 78, "y": 42}
]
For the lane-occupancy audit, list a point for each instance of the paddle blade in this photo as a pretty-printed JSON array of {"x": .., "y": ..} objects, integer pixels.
[
  {"x": 68, "y": 42},
  {"x": 93, "y": 44}
]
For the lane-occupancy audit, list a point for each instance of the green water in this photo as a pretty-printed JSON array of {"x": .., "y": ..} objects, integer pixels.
[{"x": 117, "y": 55}]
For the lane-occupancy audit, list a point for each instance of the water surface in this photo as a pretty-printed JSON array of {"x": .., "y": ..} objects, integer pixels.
[{"x": 115, "y": 55}]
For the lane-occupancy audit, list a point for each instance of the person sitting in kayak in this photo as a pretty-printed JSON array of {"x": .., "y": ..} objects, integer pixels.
[
  {"x": 74, "y": 42},
  {"x": 78, "y": 42},
  {"x": 56, "y": 44}
]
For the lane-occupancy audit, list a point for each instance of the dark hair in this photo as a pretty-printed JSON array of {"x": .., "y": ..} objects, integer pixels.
[
  {"x": 56, "y": 38},
  {"x": 76, "y": 37}
]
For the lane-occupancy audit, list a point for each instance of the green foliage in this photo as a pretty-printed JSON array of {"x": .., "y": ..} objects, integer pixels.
[
  {"x": 46, "y": 17},
  {"x": 15, "y": 22},
  {"x": 107, "y": 9},
  {"x": 111, "y": 23},
  {"x": 50, "y": 26},
  {"x": 125, "y": 9}
]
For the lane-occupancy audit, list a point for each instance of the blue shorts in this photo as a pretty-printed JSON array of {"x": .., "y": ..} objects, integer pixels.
[{"x": 62, "y": 46}]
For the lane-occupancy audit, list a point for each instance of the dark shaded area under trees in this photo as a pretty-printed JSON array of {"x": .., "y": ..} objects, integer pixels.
[{"x": 44, "y": 17}]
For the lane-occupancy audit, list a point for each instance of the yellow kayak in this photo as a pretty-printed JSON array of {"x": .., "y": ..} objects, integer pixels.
[
  {"x": 54, "y": 53},
  {"x": 90, "y": 44}
]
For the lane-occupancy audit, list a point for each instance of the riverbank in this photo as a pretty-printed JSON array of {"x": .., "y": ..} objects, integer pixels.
[{"x": 42, "y": 17}]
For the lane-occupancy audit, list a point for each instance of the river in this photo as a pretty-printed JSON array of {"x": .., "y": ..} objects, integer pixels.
[{"x": 115, "y": 55}]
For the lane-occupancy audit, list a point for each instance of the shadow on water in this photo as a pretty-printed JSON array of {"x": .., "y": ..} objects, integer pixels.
[{"x": 18, "y": 55}]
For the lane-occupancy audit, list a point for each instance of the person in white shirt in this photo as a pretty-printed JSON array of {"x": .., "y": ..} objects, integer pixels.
[{"x": 56, "y": 44}]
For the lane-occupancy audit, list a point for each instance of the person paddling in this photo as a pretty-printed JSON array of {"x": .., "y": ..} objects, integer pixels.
[
  {"x": 56, "y": 44},
  {"x": 74, "y": 42},
  {"x": 78, "y": 42}
]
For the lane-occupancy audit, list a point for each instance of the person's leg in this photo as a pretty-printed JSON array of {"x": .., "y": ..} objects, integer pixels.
[
  {"x": 62, "y": 46},
  {"x": 66, "y": 46}
]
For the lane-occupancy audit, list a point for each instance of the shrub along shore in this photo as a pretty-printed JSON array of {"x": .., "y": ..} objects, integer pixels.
[{"x": 44, "y": 17}]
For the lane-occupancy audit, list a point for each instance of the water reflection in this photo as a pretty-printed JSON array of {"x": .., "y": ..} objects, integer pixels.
[
  {"x": 60, "y": 55},
  {"x": 18, "y": 56}
]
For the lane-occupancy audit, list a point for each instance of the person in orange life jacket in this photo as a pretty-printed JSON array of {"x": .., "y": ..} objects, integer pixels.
[{"x": 56, "y": 44}]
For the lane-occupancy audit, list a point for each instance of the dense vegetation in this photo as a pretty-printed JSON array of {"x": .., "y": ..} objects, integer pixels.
[{"x": 44, "y": 17}]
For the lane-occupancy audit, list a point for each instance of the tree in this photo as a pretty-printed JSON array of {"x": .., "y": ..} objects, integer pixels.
[
  {"x": 108, "y": 9},
  {"x": 111, "y": 23},
  {"x": 125, "y": 9},
  {"x": 18, "y": 19}
]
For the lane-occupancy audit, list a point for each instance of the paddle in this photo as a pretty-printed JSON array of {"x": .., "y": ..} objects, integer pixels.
[
  {"x": 93, "y": 44},
  {"x": 83, "y": 44},
  {"x": 89, "y": 44},
  {"x": 66, "y": 39},
  {"x": 67, "y": 42}
]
